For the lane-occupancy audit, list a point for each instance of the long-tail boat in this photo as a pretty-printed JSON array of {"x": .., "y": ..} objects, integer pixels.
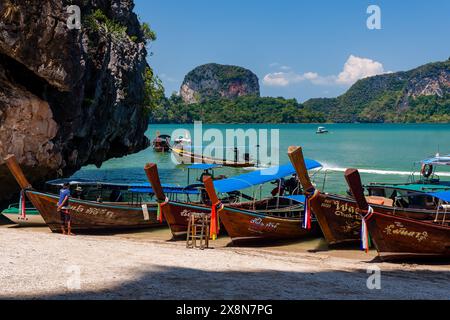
[
  {"x": 31, "y": 218},
  {"x": 25, "y": 214},
  {"x": 339, "y": 216},
  {"x": 283, "y": 208},
  {"x": 263, "y": 223},
  {"x": 397, "y": 237},
  {"x": 161, "y": 143},
  {"x": 176, "y": 213},
  {"x": 184, "y": 156},
  {"x": 89, "y": 215}
]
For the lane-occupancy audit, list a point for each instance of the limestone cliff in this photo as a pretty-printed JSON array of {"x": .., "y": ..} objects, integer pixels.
[
  {"x": 218, "y": 81},
  {"x": 69, "y": 98}
]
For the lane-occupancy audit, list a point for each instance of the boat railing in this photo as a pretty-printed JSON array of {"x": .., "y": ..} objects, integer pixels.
[
  {"x": 28, "y": 206},
  {"x": 319, "y": 177},
  {"x": 445, "y": 207}
]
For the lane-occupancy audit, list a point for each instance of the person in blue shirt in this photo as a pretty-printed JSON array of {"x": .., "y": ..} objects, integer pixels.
[{"x": 64, "y": 209}]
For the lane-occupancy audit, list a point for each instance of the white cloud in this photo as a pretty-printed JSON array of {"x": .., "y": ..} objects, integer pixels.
[
  {"x": 355, "y": 68},
  {"x": 359, "y": 68},
  {"x": 282, "y": 79}
]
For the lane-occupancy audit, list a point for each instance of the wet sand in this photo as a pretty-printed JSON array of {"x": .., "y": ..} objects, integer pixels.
[{"x": 36, "y": 264}]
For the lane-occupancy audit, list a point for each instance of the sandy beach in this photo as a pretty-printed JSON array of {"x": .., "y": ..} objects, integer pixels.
[{"x": 35, "y": 264}]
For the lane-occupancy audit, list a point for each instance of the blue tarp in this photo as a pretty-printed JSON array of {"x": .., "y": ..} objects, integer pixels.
[
  {"x": 299, "y": 198},
  {"x": 204, "y": 166},
  {"x": 445, "y": 196},
  {"x": 260, "y": 177}
]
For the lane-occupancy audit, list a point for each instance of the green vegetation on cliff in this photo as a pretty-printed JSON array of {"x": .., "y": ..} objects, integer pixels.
[
  {"x": 419, "y": 95},
  {"x": 247, "y": 109}
]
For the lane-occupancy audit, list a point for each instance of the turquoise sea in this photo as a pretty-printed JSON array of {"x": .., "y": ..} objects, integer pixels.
[{"x": 384, "y": 152}]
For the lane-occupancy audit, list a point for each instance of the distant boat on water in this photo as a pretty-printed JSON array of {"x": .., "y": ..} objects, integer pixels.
[
  {"x": 161, "y": 143},
  {"x": 322, "y": 130}
]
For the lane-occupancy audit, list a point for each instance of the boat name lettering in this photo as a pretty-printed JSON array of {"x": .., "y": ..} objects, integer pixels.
[
  {"x": 260, "y": 223},
  {"x": 92, "y": 211},
  {"x": 346, "y": 211},
  {"x": 399, "y": 229}
]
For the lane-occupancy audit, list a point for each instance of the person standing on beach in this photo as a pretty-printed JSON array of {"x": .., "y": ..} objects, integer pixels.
[{"x": 64, "y": 209}]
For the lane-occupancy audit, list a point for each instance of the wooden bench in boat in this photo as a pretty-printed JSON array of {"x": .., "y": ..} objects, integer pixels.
[{"x": 381, "y": 201}]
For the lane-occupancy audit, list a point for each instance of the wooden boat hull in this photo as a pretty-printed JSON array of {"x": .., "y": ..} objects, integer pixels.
[
  {"x": 186, "y": 157},
  {"x": 396, "y": 237},
  {"x": 177, "y": 217},
  {"x": 340, "y": 219},
  {"x": 33, "y": 218},
  {"x": 89, "y": 216},
  {"x": 249, "y": 227}
]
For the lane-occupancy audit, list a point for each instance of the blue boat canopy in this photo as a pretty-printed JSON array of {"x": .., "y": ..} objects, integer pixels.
[
  {"x": 260, "y": 177},
  {"x": 445, "y": 196},
  {"x": 204, "y": 166},
  {"x": 438, "y": 161},
  {"x": 297, "y": 198},
  {"x": 144, "y": 187}
]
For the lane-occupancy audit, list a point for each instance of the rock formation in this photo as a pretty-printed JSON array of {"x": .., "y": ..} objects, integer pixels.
[
  {"x": 218, "y": 81},
  {"x": 69, "y": 98},
  {"x": 418, "y": 95}
]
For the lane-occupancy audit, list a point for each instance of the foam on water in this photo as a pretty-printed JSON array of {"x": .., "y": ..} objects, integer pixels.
[{"x": 384, "y": 172}]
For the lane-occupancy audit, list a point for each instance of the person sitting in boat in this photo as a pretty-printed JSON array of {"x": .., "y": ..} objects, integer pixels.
[
  {"x": 64, "y": 209},
  {"x": 292, "y": 186},
  {"x": 281, "y": 187},
  {"x": 205, "y": 174}
]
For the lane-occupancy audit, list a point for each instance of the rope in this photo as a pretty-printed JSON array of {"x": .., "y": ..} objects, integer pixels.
[
  {"x": 308, "y": 215},
  {"x": 215, "y": 223},
  {"x": 161, "y": 205},
  {"x": 22, "y": 205},
  {"x": 365, "y": 236}
]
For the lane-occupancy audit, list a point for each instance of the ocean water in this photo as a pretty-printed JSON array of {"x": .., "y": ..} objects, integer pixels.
[{"x": 383, "y": 152}]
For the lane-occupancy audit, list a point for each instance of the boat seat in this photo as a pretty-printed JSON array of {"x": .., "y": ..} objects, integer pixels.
[
  {"x": 446, "y": 207},
  {"x": 381, "y": 201}
]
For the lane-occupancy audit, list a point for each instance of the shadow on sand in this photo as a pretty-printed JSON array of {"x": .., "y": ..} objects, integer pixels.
[{"x": 166, "y": 283}]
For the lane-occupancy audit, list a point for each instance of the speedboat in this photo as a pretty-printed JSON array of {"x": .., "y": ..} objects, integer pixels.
[{"x": 322, "y": 130}]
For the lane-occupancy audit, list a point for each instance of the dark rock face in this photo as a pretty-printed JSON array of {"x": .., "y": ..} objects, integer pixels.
[
  {"x": 68, "y": 98},
  {"x": 218, "y": 81}
]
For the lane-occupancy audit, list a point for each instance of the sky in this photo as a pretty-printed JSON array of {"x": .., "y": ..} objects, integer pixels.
[{"x": 298, "y": 49}]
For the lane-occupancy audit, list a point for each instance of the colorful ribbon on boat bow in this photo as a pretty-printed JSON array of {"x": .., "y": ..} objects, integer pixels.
[
  {"x": 308, "y": 215},
  {"x": 22, "y": 205},
  {"x": 365, "y": 236},
  {"x": 215, "y": 223},
  {"x": 161, "y": 205}
]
